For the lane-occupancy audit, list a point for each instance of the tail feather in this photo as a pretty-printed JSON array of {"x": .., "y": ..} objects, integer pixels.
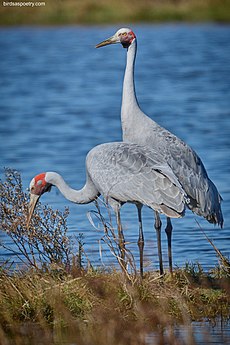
[{"x": 208, "y": 205}]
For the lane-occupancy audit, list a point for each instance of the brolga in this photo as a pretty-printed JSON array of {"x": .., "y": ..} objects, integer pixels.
[
  {"x": 138, "y": 128},
  {"x": 120, "y": 172}
]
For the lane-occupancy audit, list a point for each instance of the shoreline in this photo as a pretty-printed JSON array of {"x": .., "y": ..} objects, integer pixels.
[{"x": 110, "y": 12}]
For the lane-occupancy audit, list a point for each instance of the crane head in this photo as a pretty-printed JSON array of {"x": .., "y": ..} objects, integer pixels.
[
  {"x": 124, "y": 36},
  {"x": 38, "y": 186}
]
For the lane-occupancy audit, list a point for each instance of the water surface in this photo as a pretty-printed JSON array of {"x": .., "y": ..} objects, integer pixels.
[{"x": 60, "y": 97}]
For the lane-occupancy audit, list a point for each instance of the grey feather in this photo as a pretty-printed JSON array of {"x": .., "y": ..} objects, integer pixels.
[{"x": 131, "y": 173}]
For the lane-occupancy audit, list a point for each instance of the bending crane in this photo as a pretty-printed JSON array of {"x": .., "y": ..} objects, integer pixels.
[{"x": 120, "y": 172}]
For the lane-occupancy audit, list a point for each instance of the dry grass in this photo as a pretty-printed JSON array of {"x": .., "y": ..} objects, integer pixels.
[
  {"x": 103, "y": 308},
  {"x": 54, "y": 300},
  {"x": 110, "y": 11}
]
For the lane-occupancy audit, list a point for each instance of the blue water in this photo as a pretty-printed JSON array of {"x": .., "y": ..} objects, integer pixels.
[
  {"x": 201, "y": 333},
  {"x": 60, "y": 97}
]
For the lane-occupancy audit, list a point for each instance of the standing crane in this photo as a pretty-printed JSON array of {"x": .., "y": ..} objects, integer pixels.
[
  {"x": 138, "y": 128},
  {"x": 120, "y": 172}
]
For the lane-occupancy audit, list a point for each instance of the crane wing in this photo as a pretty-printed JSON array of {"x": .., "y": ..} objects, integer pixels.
[
  {"x": 190, "y": 171},
  {"x": 131, "y": 173}
]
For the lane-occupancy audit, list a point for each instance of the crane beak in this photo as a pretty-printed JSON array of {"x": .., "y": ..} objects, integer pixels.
[
  {"x": 110, "y": 40},
  {"x": 33, "y": 202}
]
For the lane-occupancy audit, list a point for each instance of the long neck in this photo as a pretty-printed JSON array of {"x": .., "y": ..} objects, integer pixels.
[
  {"x": 129, "y": 100},
  {"x": 83, "y": 196}
]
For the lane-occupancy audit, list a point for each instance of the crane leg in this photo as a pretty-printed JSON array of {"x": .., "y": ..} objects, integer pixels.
[
  {"x": 121, "y": 239},
  {"x": 168, "y": 231},
  {"x": 140, "y": 239},
  {"x": 158, "y": 232}
]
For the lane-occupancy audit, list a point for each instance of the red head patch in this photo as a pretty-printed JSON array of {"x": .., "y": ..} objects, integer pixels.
[{"x": 40, "y": 177}]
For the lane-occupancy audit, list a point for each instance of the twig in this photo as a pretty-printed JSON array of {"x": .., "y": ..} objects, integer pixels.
[{"x": 223, "y": 259}]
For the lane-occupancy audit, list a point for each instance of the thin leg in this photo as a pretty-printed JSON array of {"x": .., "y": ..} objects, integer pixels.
[
  {"x": 140, "y": 239},
  {"x": 158, "y": 231},
  {"x": 121, "y": 237},
  {"x": 168, "y": 231}
]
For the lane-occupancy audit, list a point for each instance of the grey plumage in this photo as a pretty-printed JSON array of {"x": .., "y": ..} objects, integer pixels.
[
  {"x": 125, "y": 172},
  {"x": 120, "y": 172}
]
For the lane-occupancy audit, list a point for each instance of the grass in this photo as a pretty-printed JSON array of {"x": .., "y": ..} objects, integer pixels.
[
  {"x": 110, "y": 12},
  {"x": 97, "y": 307},
  {"x": 54, "y": 299}
]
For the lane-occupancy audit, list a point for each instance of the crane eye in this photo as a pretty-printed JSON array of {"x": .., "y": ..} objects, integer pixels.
[{"x": 124, "y": 34}]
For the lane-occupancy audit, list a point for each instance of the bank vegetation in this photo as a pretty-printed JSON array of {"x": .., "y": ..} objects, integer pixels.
[{"x": 91, "y": 12}]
